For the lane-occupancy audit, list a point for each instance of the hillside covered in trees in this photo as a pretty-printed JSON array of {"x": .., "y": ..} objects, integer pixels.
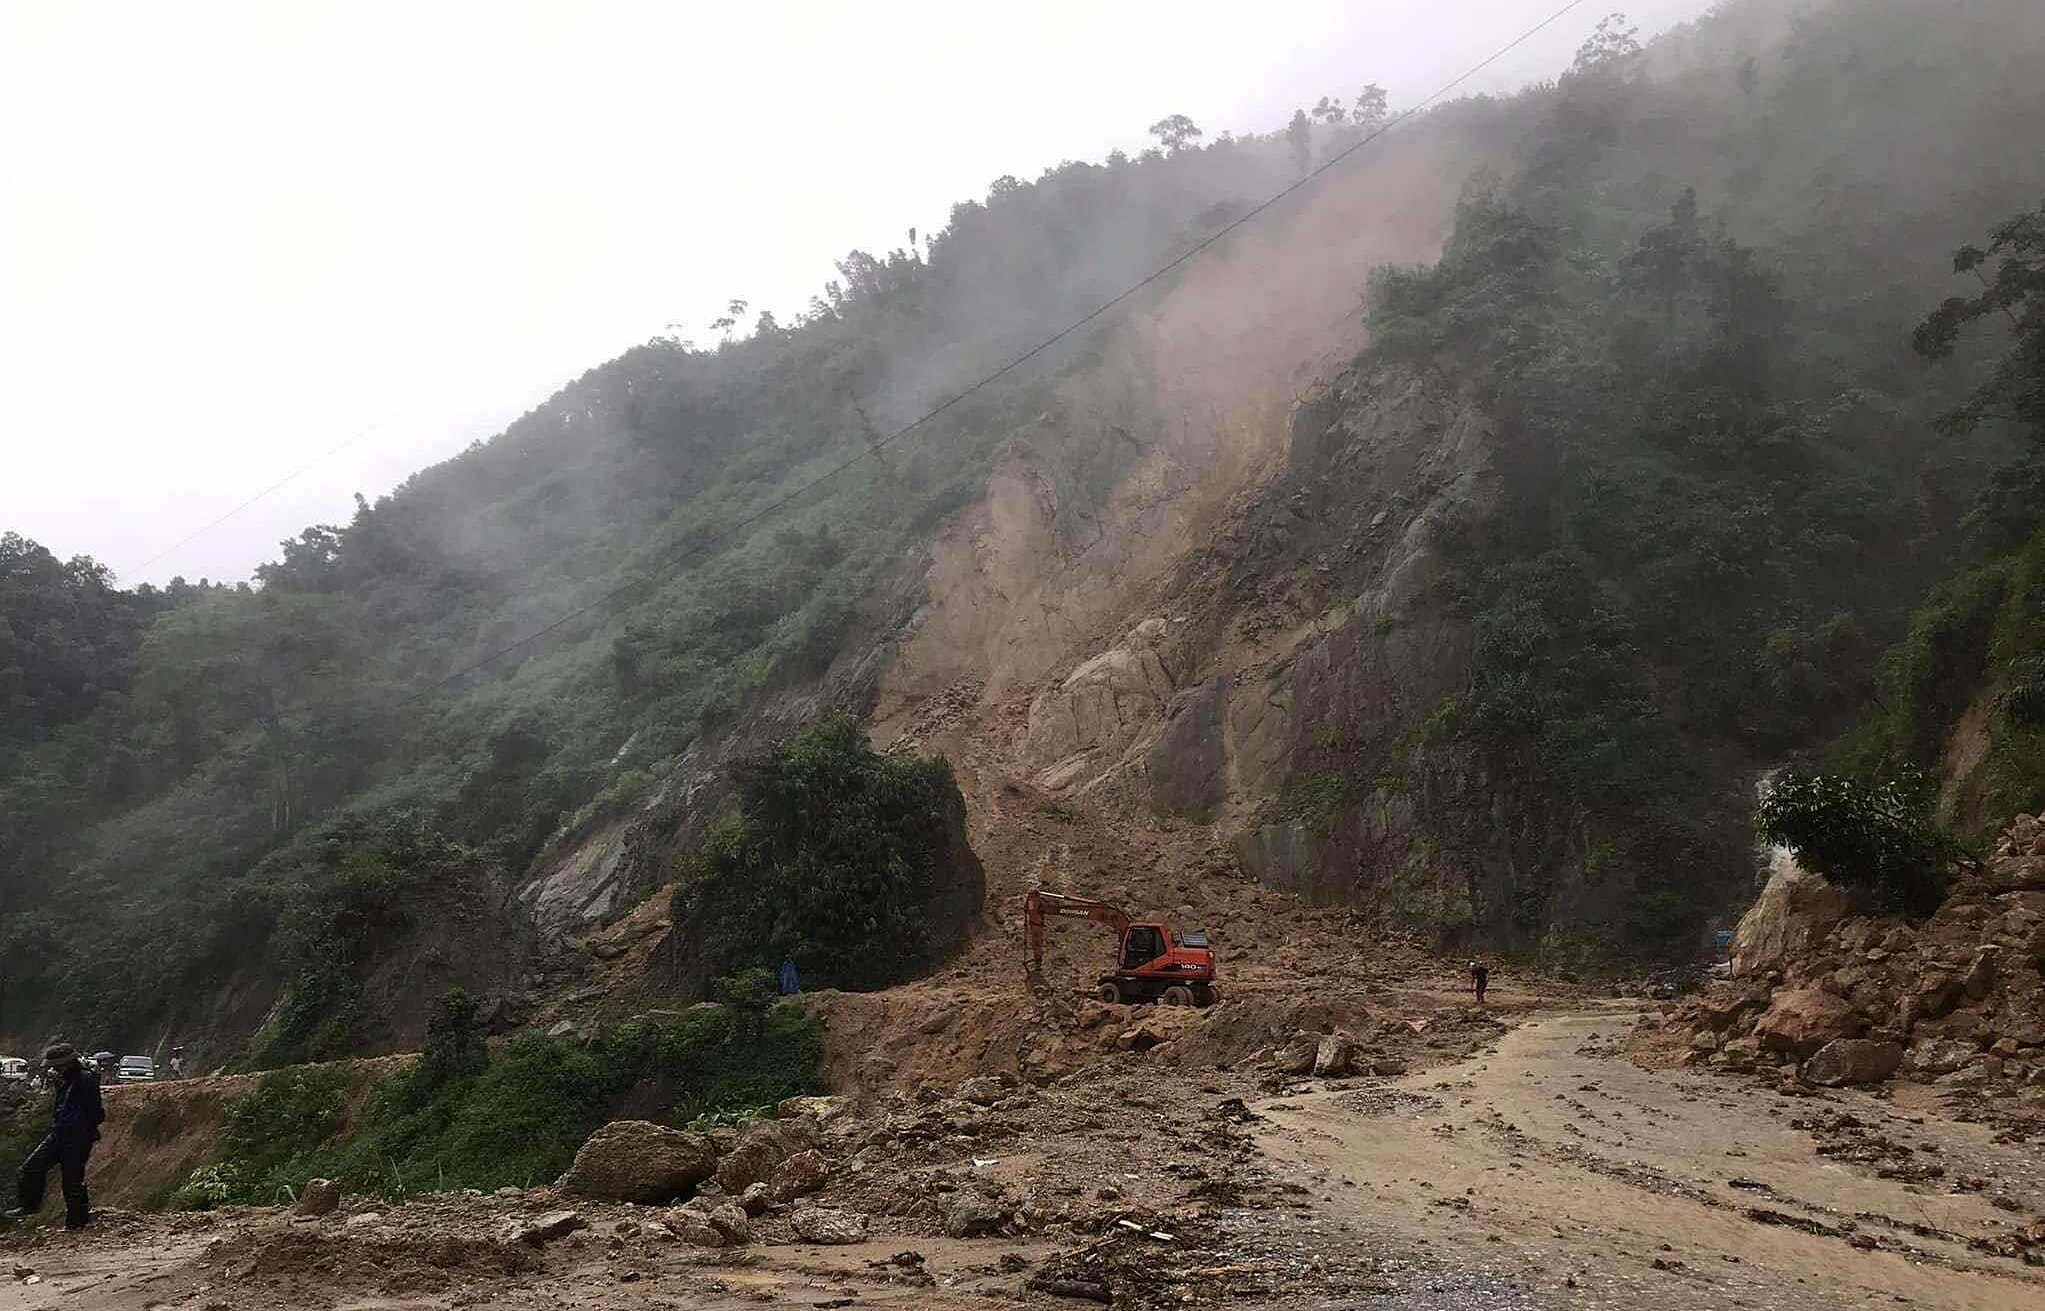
[{"x": 1679, "y": 293}]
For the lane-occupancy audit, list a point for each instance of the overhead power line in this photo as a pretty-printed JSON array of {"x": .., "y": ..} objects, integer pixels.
[
  {"x": 288, "y": 478},
  {"x": 870, "y": 450}
]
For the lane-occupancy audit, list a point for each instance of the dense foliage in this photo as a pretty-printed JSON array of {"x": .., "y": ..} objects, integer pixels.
[
  {"x": 169, "y": 761},
  {"x": 839, "y": 858},
  {"x": 1972, "y": 664},
  {"x": 1721, "y": 494},
  {"x": 515, "y": 1118},
  {"x": 1883, "y": 836}
]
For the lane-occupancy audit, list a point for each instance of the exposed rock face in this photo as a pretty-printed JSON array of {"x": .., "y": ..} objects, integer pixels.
[
  {"x": 1189, "y": 761},
  {"x": 639, "y": 1161},
  {"x": 1086, "y": 725},
  {"x": 1794, "y": 913},
  {"x": 1853, "y": 1060}
]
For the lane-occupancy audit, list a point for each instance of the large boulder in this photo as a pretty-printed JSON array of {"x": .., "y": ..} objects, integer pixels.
[
  {"x": 1853, "y": 1060},
  {"x": 983, "y": 1089},
  {"x": 798, "y": 1176},
  {"x": 1336, "y": 1056},
  {"x": 1801, "y": 1020},
  {"x": 318, "y": 1197},
  {"x": 1787, "y": 923},
  {"x": 760, "y": 1146},
  {"x": 816, "y": 1224},
  {"x": 639, "y": 1161},
  {"x": 969, "y": 1215},
  {"x": 1723, "y": 1004}
]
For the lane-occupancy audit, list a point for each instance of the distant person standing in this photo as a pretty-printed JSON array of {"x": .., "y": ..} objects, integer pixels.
[
  {"x": 790, "y": 984},
  {"x": 75, "y": 1118},
  {"x": 177, "y": 1062},
  {"x": 1480, "y": 978}
]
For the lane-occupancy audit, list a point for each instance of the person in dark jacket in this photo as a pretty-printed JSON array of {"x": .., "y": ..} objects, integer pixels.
[{"x": 75, "y": 1118}]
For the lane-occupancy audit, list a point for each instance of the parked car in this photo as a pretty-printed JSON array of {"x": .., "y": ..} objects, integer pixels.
[
  {"x": 137, "y": 1069},
  {"x": 14, "y": 1069}
]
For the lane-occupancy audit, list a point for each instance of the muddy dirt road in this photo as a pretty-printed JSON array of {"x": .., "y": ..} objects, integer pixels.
[
  {"x": 1517, "y": 1168},
  {"x": 1553, "y": 1164}
]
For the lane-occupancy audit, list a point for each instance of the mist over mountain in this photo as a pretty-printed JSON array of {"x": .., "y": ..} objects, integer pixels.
[{"x": 1457, "y": 541}]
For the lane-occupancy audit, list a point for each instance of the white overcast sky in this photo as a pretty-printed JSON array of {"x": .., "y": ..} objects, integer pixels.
[{"x": 235, "y": 237}]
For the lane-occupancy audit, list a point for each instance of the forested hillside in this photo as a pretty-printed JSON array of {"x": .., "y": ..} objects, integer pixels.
[
  {"x": 1677, "y": 302},
  {"x": 1632, "y": 489},
  {"x": 210, "y": 791}
]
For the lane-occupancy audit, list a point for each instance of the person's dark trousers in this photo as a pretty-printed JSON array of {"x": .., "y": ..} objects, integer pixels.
[{"x": 67, "y": 1156}]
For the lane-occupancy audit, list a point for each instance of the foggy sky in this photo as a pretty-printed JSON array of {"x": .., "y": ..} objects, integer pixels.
[{"x": 235, "y": 236}]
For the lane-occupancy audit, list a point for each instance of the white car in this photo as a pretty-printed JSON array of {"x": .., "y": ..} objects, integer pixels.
[
  {"x": 14, "y": 1069},
  {"x": 136, "y": 1069}
]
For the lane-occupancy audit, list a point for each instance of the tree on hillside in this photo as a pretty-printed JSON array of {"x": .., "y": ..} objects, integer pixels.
[
  {"x": 1175, "y": 132},
  {"x": 1372, "y": 108},
  {"x": 2015, "y": 293},
  {"x": 1612, "y": 50},
  {"x": 839, "y": 858},
  {"x": 1329, "y": 110},
  {"x": 1299, "y": 134}
]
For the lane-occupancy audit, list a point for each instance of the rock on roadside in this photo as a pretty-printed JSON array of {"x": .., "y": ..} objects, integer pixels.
[
  {"x": 319, "y": 1197},
  {"x": 816, "y": 1224},
  {"x": 639, "y": 1161},
  {"x": 1853, "y": 1060},
  {"x": 542, "y": 1228}
]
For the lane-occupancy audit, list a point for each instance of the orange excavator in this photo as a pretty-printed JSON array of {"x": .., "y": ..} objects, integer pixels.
[{"x": 1151, "y": 962}]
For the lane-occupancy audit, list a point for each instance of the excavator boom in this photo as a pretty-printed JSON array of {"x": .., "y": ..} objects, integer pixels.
[
  {"x": 1039, "y": 904},
  {"x": 1151, "y": 962}
]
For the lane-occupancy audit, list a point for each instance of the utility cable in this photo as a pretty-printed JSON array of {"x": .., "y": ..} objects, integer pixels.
[
  {"x": 288, "y": 478},
  {"x": 872, "y": 449}
]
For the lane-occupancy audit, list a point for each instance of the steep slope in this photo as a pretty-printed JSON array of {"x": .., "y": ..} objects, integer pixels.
[{"x": 1480, "y": 622}]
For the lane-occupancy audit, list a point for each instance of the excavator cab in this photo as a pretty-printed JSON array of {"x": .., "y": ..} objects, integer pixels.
[{"x": 1151, "y": 962}]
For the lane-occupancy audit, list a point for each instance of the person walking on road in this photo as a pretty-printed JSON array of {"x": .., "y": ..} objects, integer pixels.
[
  {"x": 75, "y": 1118},
  {"x": 1480, "y": 978}
]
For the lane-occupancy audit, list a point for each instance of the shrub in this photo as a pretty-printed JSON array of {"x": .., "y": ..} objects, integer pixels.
[
  {"x": 1878, "y": 836},
  {"x": 517, "y": 1119},
  {"x": 834, "y": 860}
]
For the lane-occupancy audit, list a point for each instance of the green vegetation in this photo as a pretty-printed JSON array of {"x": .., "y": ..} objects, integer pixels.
[
  {"x": 1979, "y": 640},
  {"x": 515, "y": 1118},
  {"x": 1883, "y": 837},
  {"x": 173, "y": 762},
  {"x": 1720, "y": 492},
  {"x": 852, "y": 864}
]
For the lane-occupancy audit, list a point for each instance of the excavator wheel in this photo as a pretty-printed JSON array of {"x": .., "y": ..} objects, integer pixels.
[
  {"x": 1178, "y": 995},
  {"x": 1109, "y": 992},
  {"x": 1204, "y": 995}
]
